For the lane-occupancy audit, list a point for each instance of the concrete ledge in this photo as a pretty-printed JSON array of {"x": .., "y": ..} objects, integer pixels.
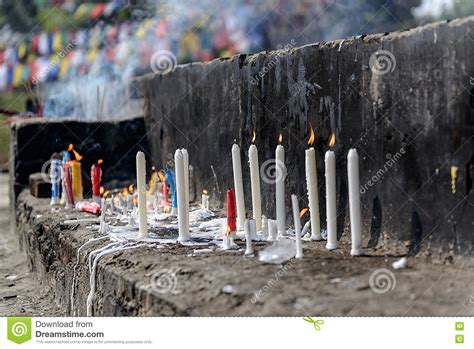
[{"x": 228, "y": 284}]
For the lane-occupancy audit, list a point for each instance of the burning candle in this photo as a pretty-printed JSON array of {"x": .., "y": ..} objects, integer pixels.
[
  {"x": 181, "y": 196},
  {"x": 255, "y": 185},
  {"x": 129, "y": 198},
  {"x": 141, "y": 191},
  {"x": 96, "y": 176},
  {"x": 76, "y": 179},
  {"x": 153, "y": 181},
  {"x": 231, "y": 223},
  {"x": 153, "y": 185},
  {"x": 297, "y": 220},
  {"x": 205, "y": 200},
  {"x": 186, "y": 184},
  {"x": 280, "y": 186},
  {"x": 76, "y": 174},
  {"x": 239, "y": 186},
  {"x": 66, "y": 159},
  {"x": 331, "y": 214},
  {"x": 68, "y": 185},
  {"x": 164, "y": 193},
  {"x": 312, "y": 186},
  {"x": 354, "y": 201},
  {"x": 54, "y": 173}
]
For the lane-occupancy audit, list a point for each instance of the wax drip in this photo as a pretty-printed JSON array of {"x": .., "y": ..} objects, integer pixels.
[
  {"x": 93, "y": 267},
  {"x": 74, "y": 275}
]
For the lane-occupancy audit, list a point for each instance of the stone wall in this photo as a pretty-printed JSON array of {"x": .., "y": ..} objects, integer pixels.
[{"x": 411, "y": 119}]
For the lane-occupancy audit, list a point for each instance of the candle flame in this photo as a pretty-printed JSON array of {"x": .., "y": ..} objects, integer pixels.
[
  {"x": 204, "y": 191},
  {"x": 153, "y": 168},
  {"x": 254, "y": 135},
  {"x": 101, "y": 190},
  {"x": 130, "y": 188},
  {"x": 106, "y": 194},
  {"x": 227, "y": 230},
  {"x": 454, "y": 177},
  {"x": 280, "y": 138},
  {"x": 125, "y": 192},
  {"x": 77, "y": 156},
  {"x": 161, "y": 176},
  {"x": 303, "y": 212},
  {"x": 311, "y": 136},
  {"x": 332, "y": 140},
  {"x": 166, "y": 208},
  {"x": 100, "y": 162}
]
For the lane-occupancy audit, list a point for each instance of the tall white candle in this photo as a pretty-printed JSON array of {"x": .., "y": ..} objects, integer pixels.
[
  {"x": 297, "y": 220},
  {"x": 181, "y": 196},
  {"x": 141, "y": 189},
  {"x": 238, "y": 186},
  {"x": 255, "y": 184},
  {"x": 280, "y": 188},
  {"x": 331, "y": 214},
  {"x": 354, "y": 201},
  {"x": 313, "y": 196},
  {"x": 186, "y": 184}
]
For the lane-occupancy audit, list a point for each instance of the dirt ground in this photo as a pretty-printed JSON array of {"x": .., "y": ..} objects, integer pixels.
[
  {"x": 175, "y": 280},
  {"x": 21, "y": 293}
]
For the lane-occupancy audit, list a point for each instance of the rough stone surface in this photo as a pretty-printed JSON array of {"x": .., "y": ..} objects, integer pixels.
[
  {"x": 22, "y": 292},
  {"x": 229, "y": 284},
  {"x": 410, "y": 125}
]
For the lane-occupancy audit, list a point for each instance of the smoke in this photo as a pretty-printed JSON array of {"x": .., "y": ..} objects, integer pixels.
[{"x": 193, "y": 30}]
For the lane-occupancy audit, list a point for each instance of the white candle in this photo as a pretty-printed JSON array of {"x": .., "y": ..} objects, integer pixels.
[
  {"x": 248, "y": 239},
  {"x": 181, "y": 196},
  {"x": 186, "y": 184},
  {"x": 313, "y": 196},
  {"x": 331, "y": 215},
  {"x": 255, "y": 184},
  {"x": 354, "y": 201},
  {"x": 280, "y": 188},
  {"x": 205, "y": 200},
  {"x": 141, "y": 188},
  {"x": 297, "y": 220},
  {"x": 238, "y": 186}
]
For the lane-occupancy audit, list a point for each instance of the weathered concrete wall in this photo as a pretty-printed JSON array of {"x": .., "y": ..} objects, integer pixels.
[
  {"x": 32, "y": 141},
  {"x": 420, "y": 114}
]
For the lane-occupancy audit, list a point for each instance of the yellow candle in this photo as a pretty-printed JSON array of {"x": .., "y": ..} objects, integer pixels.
[{"x": 76, "y": 180}]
